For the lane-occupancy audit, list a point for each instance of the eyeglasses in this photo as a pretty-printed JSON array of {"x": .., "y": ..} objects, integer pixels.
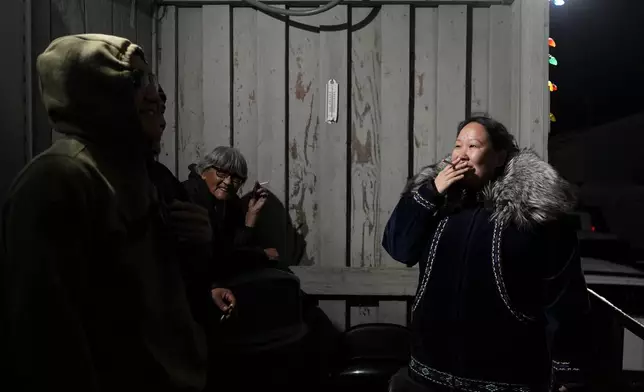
[
  {"x": 143, "y": 79},
  {"x": 234, "y": 178}
]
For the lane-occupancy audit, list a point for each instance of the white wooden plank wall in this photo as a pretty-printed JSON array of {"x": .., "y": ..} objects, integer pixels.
[
  {"x": 245, "y": 120},
  {"x": 365, "y": 137},
  {"x": 425, "y": 87},
  {"x": 54, "y": 18},
  {"x": 451, "y": 83},
  {"x": 394, "y": 135},
  {"x": 273, "y": 109},
  {"x": 216, "y": 75},
  {"x": 491, "y": 65},
  {"x": 499, "y": 68},
  {"x": 271, "y": 99},
  {"x": 13, "y": 151},
  {"x": 167, "y": 71},
  {"x": 40, "y": 38},
  {"x": 529, "y": 74},
  {"x": 143, "y": 24},
  {"x": 325, "y": 203},
  {"x": 123, "y": 18},
  {"x": 189, "y": 94},
  {"x": 304, "y": 96},
  {"x": 32, "y": 29},
  {"x": 98, "y": 17}
]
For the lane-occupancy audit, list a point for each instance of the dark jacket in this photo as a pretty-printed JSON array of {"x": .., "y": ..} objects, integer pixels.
[
  {"x": 194, "y": 259},
  {"x": 499, "y": 270},
  {"x": 234, "y": 245},
  {"x": 93, "y": 295}
]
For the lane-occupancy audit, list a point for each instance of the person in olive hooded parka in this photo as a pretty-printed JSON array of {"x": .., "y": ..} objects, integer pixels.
[{"x": 93, "y": 295}]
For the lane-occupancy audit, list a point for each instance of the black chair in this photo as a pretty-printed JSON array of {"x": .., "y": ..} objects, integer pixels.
[{"x": 370, "y": 354}]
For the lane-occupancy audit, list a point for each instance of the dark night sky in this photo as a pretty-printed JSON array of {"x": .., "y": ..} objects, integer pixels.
[
  {"x": 599, "y": 107},
  {"x": 600, "y": 49}
]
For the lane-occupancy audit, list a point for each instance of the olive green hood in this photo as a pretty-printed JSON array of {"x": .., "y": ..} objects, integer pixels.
[{"x": 88, "y": 89}]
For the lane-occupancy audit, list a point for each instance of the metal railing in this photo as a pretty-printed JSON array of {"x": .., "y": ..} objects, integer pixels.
[{"x": 628, "y": 322}]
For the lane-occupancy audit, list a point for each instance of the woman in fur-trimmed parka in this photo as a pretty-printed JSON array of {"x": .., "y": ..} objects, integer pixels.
[{"x": 499, "y": 267}]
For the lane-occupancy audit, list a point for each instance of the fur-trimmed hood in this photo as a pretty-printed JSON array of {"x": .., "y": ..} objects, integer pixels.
[{"x": 529, "y": 192}]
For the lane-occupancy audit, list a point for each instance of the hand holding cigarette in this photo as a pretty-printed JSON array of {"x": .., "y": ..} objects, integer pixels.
[{"x": 455, "y": 171}]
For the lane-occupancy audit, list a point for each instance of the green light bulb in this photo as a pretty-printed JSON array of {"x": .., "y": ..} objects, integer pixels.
[{"x": 552, "y": 60}]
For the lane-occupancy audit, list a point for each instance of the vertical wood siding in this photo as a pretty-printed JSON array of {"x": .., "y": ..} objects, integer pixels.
[
  {"x": 31, "y": 26},
  {"x": 233, "y": 76},
  {"x": 13, "y": 108},
  {"x": 236, "y": 76}
]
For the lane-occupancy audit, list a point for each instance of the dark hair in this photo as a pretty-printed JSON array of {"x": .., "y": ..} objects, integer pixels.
[
  {"x": 500, "y": 138},
  {"x": 227, "y": 159}
]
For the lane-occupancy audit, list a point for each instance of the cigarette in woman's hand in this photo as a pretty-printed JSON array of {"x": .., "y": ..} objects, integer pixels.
[
  {"x": 446, "y": 160},
  {"x": 263, "y": 183}
]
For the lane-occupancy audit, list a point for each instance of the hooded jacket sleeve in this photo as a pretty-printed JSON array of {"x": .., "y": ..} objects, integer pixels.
[
  {"x": 410, "y": 224},
  {"x": 46, "y": 221}
]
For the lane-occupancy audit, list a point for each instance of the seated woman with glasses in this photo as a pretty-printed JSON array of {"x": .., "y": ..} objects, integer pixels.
[{"x": 214, "y": 183}]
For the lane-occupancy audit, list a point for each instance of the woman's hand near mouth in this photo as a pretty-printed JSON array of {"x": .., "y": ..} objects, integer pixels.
[{"x": 255, "y": 204}]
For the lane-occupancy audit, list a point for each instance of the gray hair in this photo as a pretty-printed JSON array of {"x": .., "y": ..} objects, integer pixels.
[{"x": 225, "y": 158}]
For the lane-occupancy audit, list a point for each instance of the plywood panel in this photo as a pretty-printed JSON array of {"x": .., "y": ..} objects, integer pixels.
[
  {"x": 190, "y": 96},
  {"x": 245, "y": 86},
  {"x": 271, "y": 133},
  {"x": 12, "y": 106},
  {"x": 167, "y": 79},
  {"x": 124, "y": 19},
  {"x": 452, "y": 48},
  {"x": 40, "y": 38},
  {"x": 394, "y": 128},
  {"x": 425, "y": 89},
  {"x": 365, "y": 139},
  {"x": 216, "y": 76},
  {"x": 500, "y": 63},
  {"x": 481, "y": 47},
  {"x": 305, "y": 94},
  {"x": 332, "y": 141},
  {"x": 144, "y": 16},
  {"x": 98, "y": 14}
]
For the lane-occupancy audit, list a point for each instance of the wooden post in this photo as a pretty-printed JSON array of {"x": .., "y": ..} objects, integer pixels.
[{"x": 530, "y": 99}]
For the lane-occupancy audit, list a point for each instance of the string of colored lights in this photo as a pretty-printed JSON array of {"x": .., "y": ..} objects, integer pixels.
[{"x": 552, "y": 60}]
